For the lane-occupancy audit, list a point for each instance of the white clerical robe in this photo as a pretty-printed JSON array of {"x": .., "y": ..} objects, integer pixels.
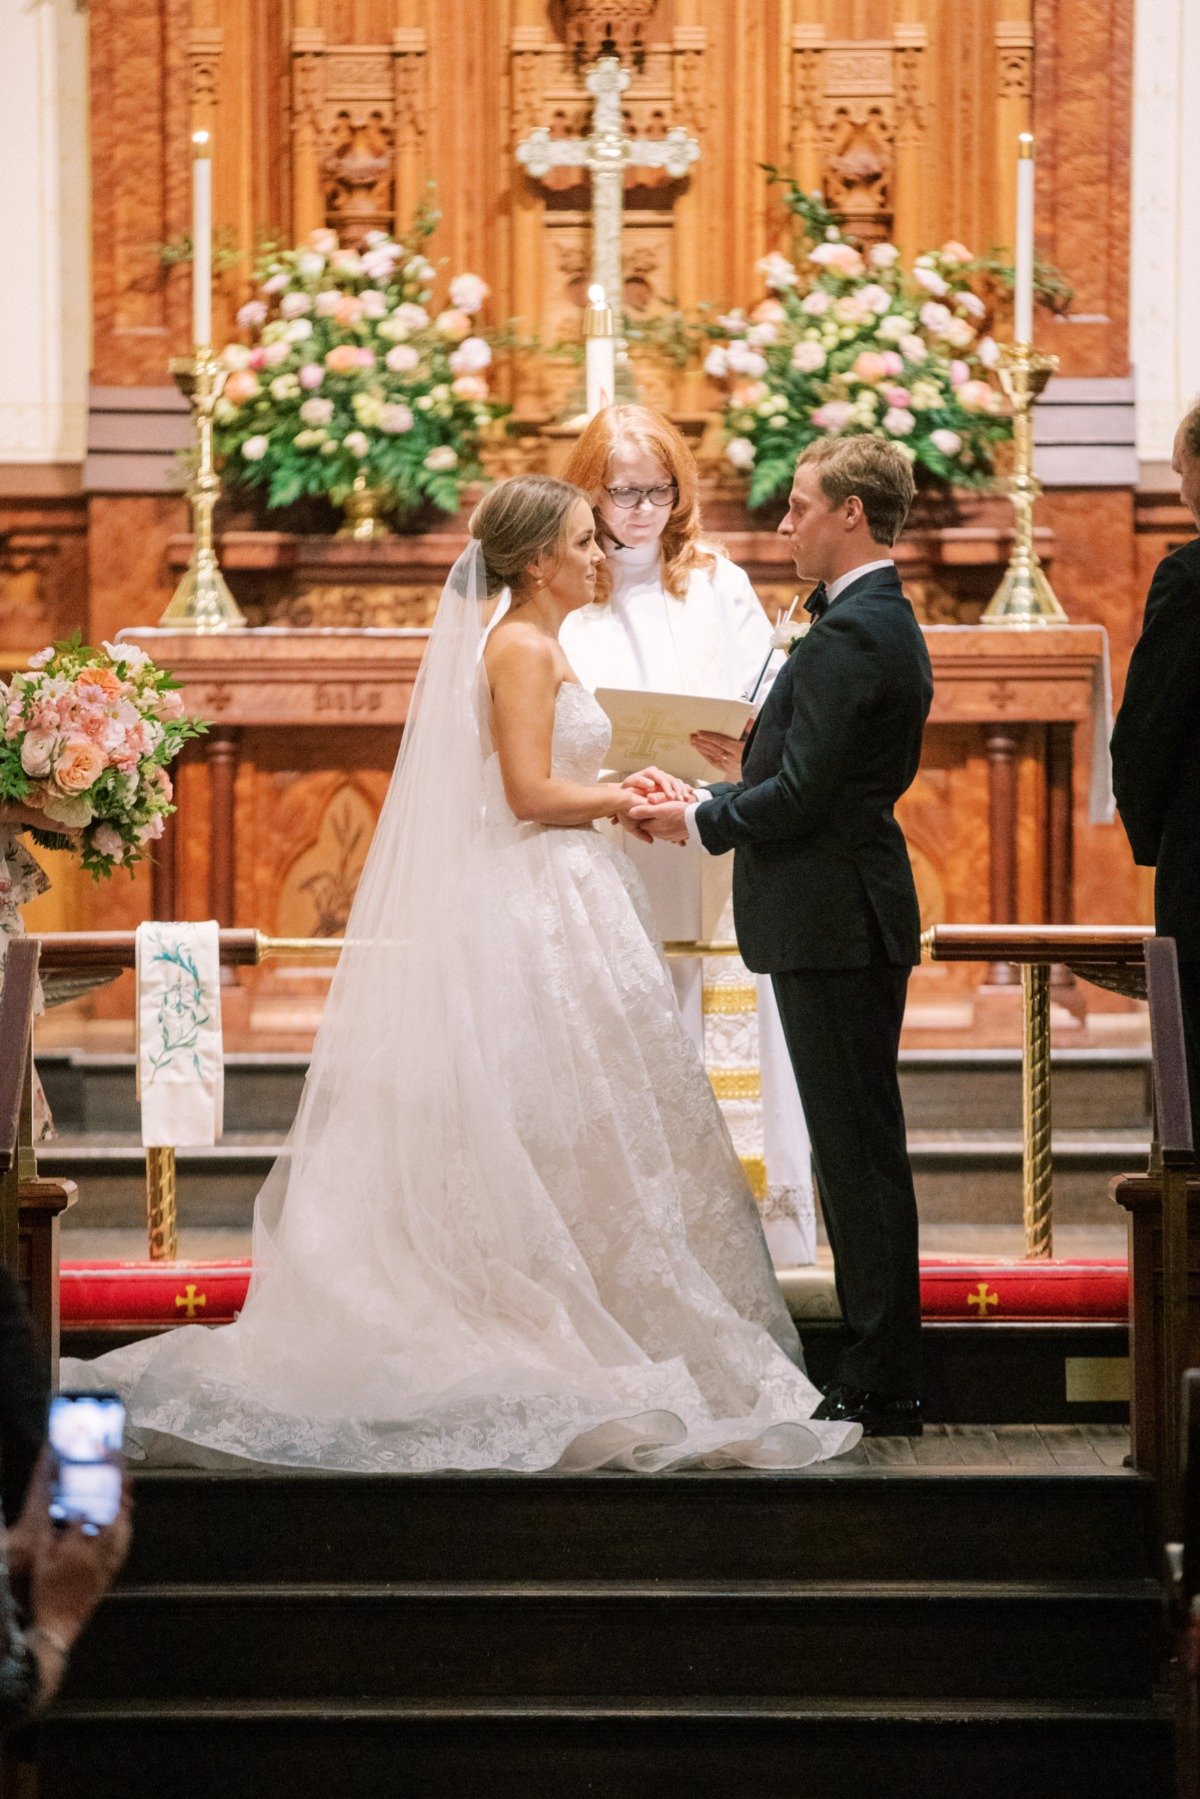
[{"x": 713, "y": 641}]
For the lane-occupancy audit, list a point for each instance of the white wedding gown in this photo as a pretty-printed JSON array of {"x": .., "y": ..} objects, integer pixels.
[{"x": 529, "y": 1246}]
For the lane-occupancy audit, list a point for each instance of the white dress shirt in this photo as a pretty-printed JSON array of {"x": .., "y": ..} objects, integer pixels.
[{"x": 832, "y": 590}]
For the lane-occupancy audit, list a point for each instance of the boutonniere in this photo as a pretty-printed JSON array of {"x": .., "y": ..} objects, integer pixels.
[{"x": 789, "y": 629}]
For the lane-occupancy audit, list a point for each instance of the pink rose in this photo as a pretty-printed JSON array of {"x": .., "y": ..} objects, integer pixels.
[
  {"x": 948, "y": 442},
  {"x": 311, "y": 375},
  {"x": 894, "y": 360},
  {"x": 169, "y": 703},
  {"x": 454, "y": 322},
  {"x": 959, "y": 372},
  {"x": 79, "y": 764},
  {"x": 897, "y": 396},
  {"x": 833, "y": 416},
  {"x": 977, "y": 396},
  {"x": 107, "y": 842},
  {"x": 257, "y": 360},
  {"x": 37, "y": 753},
  {"x": 402, "y": 359},
  {"x": 769, "y": 312}
]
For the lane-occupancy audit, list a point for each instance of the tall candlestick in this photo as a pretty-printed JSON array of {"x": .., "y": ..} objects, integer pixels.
[
  {"x": 1023, "y": 295},
  {"x": 600, "y": 349},
  {"x": 201, "y": 240}
]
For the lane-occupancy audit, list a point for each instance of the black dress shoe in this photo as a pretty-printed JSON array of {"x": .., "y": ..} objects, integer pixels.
[{"x": 879, "y": 1415}]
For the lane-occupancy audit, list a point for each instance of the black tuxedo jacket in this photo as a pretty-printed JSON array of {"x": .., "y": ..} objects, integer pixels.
[
  {"x": 835, "y": 746},
  {"x": 1156, "y": 747}
]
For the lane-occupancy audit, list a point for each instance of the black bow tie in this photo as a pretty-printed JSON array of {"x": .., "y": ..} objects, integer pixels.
[{"x": 817, "y": 603}]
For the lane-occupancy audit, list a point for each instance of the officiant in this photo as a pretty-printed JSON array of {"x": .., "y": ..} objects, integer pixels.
[{"x": 673, "y": 614}]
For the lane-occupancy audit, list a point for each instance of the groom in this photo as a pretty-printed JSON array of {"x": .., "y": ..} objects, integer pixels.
[{"x": 824, "y": 898}]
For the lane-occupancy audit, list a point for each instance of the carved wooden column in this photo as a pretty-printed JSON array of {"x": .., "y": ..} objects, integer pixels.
[
  {"x": 529, "y": 45},
  {"x": 1002, "y": 745},
  {"x": 205, "y": 40},
  {"x": 410, "y": 64},
  {"x": 908, "y": 211},
  {"x": 221, "y": 754},
  {"x": 1014, "y": 106},
  {"x": 690, "y": 108},
  {"x": 308, "y": 46},
  {"x": 808, "y": 44}
]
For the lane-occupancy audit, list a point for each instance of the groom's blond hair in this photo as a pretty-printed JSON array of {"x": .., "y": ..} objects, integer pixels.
[{"x": 877, "y": 471}]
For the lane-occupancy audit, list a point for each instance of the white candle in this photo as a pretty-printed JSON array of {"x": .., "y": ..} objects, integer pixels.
[
  {"x": 201, "y": 241},
  {"x": 1023, "y": 293},
  {"x": 600, "y": 349}
]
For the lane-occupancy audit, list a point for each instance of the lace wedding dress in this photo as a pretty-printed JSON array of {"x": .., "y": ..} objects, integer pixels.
[{"x": 511, "y": 1230}]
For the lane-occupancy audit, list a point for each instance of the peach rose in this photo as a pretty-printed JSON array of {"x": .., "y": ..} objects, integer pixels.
[
  {"x": 749, "y": 393},
  {"x": 79, "y": 764},
  {"x": 769, "y": 312},
  {"x": 342, "y": 358},
  {"x": 241, "y": 386},
  {"x": 348, "y": 310},
  {"x": 454, "y": 322},
  {"x": 470, "y": 387},
  {"x": 869, "y": 366},
  {"x": 103, "y": 678}
]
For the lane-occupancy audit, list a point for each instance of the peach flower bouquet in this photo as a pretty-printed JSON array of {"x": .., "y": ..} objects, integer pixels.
[{"x": 88, "y": 736}]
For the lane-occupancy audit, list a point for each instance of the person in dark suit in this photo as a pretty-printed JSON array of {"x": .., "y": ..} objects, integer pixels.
[
  {"x": 824, "y": 898},
  {"x": 1156, "y": 750}
]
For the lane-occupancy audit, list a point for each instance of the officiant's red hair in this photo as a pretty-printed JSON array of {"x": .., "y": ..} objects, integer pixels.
[{"x": 682, "y": 550}]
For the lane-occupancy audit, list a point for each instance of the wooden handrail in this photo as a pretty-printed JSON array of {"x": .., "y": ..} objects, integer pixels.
[
  {"x": 16, "y": 1019},
  {"x": 1075, "y": 944}
]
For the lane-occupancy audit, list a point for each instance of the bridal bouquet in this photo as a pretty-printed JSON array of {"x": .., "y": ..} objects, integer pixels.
[
  {"x": 87, "y": 738},
  {"x": 849, "y": 340},
  {"x": 353, "y": 373}
]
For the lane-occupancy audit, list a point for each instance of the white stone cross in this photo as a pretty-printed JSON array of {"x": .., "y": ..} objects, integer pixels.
[{"x": 606, "y": 154}]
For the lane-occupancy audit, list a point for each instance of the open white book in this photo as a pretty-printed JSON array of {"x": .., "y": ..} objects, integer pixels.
[{"x": 653, "y": 729}]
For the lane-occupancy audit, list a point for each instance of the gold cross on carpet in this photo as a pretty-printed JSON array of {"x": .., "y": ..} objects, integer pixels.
[
  {"x": 983, "y": 1297},
  {"x": 191, "y": 1299}
]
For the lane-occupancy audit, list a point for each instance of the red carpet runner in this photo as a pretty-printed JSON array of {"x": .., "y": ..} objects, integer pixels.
[{"x": 125, "y": 1295}]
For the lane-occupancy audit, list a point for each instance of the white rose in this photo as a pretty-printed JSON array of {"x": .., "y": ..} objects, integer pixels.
[
  {"x": 912, "y": 348},
  {"x": 374, "y": 304},
  {"x": 875, "y": 297},
  {"x": 255, "y": 448},
  {"x": 970, "y": 303},
  {"x": 442, "y": 457},
  {"x": 411, "y": 316},
  {"x": 395, "y": 419},
  {"x": 744, "y": 360},
  {"x": 468, "y": 292},
  {"x": 356, "y": 443},
  {"x": 931, "y": 281},
  {"x": 816, "y": 303},
  {"x": 808, "y": 357},
  {"x": 316, "y": 411},
  {"x": 251, "y": 314},
  {"x": 777, "y": 270},
  {"x": 234, "y": 356},
  {"x": 298, "y": 330},
  {"x": 716, "y": 363},
  {"x": 327, "y": 302},
  {"x": 959, "y": 334},
  {"x": 294, "y": 306},
  {"x": 935, "y": 317},
  {"x": 285, "y": 387},
  {"x": 948, "y": 442},
  {"x": 899, "y": 421},
  {"x": 471, "y": 357},
  {"x": 883, "y": 256},
  {"x": 310, "y": 264},
  {"x": 740, "y": 452},
  {"x": 894, "y": 327},
  {"x": 988, "y": 352},
  {"x": 402, "y": 359},
  {"x": 762, "y": 335}
]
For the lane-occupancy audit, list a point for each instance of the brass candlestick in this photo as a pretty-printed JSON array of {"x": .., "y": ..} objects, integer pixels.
[
  {"x": 1025, "y": 596},
  {"x": 202, "y": 601}
]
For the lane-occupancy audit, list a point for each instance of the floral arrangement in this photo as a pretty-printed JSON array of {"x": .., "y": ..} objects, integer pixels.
[
  {"x": 87, "y": 739},
  {"x": 350, "y": 372},
  {"x": 851, "y": 341}
]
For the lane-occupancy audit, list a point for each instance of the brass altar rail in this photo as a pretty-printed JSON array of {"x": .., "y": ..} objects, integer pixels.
[{"x": 1112, "y": 956}]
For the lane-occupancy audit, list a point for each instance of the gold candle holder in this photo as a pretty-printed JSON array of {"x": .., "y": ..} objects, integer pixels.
[
  {"x": 202, "y": 601},
  {"x": 1025, "y": 596}
]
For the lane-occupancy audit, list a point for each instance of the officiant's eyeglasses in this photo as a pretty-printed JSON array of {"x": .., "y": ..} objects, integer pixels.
[{"x": 628, "y": 497}]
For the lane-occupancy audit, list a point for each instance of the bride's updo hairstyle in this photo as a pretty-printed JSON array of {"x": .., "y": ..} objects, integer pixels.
[
  {"x": 652, "y": 432},
  {"x": 518, "y": 521}
]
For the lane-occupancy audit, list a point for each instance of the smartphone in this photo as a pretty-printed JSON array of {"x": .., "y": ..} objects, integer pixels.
[{"x": 86, "y": 1434}]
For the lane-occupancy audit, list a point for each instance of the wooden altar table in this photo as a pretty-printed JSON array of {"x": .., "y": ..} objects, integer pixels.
[{"x": 1023, "y": 691}]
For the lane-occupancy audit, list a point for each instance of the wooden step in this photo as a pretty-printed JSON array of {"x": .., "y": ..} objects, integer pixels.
[
  {"x": 836, "y": 1522},
  {"x": 643, "y": 1749},
  {"x": 601, "y": 1639}
]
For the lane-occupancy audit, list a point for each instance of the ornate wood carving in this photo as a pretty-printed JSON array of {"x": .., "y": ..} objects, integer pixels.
[{"x": 594, "y": 27}]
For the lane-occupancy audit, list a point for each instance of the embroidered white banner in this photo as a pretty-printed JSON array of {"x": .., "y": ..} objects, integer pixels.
[{"x": 180, "y": 1061}]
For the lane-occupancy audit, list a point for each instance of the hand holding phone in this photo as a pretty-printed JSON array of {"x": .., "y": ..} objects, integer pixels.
[{"x": 86, "y": 1434}]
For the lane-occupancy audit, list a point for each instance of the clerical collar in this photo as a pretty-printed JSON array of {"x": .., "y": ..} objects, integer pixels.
[
  {"x": 634, "y": 562},
  {"x": 834, "y": 588}
]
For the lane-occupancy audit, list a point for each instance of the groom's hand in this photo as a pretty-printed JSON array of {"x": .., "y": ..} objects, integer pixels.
[{"x": 662, "y": 820}]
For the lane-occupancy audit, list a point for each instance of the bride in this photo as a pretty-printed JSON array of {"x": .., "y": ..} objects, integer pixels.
[{"x": 509, "y": 1229}]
